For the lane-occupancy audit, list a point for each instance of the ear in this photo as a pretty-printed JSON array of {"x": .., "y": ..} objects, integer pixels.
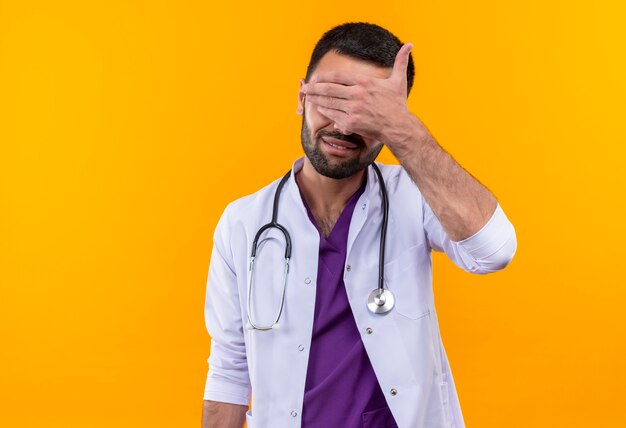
[{"x": 301, "y": 96}]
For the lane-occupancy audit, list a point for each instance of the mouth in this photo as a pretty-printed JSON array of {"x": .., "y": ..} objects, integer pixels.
[{"x": 339, "y": 144}]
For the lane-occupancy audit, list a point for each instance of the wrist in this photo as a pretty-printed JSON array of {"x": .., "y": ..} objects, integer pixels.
[{"x": 410, "y": 136}]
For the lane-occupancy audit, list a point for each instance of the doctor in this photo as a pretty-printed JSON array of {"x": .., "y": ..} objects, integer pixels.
[{"x": 308, "y": 345}]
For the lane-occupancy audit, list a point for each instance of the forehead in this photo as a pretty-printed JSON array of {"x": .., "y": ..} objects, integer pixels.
[{"x": 332, "y": 61}]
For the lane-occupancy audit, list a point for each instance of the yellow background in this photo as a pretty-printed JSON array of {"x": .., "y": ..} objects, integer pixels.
[{"x": 127, "y": 126}]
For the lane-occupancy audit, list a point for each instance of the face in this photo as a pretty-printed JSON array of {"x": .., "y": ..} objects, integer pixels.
[{"x": 332, "y": 153}]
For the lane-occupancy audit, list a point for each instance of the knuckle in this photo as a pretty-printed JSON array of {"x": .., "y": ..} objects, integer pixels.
[
  {"x": 363, "y": 80},
  {"x": 357, "y": 92},
  {"x": 359, "y": 107}
]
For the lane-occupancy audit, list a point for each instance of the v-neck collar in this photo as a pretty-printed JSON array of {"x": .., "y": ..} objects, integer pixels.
[{"x": 335, "y": 238}]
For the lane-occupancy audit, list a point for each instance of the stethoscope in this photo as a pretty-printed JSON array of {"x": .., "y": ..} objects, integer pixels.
[{"x": 379, "y": 301}]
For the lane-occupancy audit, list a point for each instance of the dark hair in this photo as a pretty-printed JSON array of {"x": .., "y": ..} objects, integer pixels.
[{"x": 361, "y": 40}]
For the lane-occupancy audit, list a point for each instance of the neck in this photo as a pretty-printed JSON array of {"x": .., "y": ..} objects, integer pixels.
[{"x": 326, "y": 196}]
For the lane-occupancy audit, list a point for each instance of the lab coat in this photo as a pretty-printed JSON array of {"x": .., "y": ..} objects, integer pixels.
[{"x": 404, "y": 345}]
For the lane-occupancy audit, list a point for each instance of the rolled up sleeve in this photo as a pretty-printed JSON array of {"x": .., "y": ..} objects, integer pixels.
[
  {"x": 489, "y": 250},
  {"x": 228, "y": 380}
]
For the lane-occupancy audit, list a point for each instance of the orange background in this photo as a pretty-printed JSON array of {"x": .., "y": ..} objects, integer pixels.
[{"x": 127, "y": 126}]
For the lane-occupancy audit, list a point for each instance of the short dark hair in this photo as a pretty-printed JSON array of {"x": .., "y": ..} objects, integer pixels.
[{"x": 361, "y": 40}]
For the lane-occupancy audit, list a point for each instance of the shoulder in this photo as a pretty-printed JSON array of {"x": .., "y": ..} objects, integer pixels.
[
  {"x": 397, "y": 179},
  {"x": 244, "y": 208}
]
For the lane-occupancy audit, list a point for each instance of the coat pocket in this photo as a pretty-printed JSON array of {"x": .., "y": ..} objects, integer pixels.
[
  {"x": 408, "y": 277},
  {"x": 379, "y": 418}
]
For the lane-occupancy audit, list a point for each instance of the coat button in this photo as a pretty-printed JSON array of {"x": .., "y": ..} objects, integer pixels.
[
  {"x": 294, "y": 413},
  {"x": 393, "y": 391},
  {"x": 369, "y": 330},
  {"x": 300, "y": 348},
  {"x": 348, "y": 267},
  {"x": 307, "y": 280}
]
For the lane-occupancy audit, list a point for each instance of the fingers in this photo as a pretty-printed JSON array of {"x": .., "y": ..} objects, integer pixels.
[
  {"x": 339, "y": 77},
  {"x": 401, "y": 62},
  {"x": 328, "y": 89},
  {"x": 336, "y": 116},
  {"x": 329, "y": 102}
]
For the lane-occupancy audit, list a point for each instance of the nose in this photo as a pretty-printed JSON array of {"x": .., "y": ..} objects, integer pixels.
[{"x": 343, "y": 131}]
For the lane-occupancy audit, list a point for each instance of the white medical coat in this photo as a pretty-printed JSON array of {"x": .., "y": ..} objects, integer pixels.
[{"x": 404, "y": 345}]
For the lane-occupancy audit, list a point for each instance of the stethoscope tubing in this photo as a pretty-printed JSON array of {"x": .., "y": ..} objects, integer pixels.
[
  {"x": 383, "y": 231},
  {"x": 273, "y": 224},
  {"x": 379, "y": 301}
]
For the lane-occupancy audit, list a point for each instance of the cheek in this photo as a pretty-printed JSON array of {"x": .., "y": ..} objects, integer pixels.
[{"x": 315, "y": 120}]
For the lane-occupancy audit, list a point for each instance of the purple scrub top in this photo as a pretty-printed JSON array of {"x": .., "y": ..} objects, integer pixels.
[{"x": 341, "y": 388}]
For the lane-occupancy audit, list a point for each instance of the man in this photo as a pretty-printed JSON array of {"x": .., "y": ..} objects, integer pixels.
[{"x": 332, "y": 362}]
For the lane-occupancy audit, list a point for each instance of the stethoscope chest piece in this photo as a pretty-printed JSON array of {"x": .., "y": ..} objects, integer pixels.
[{"x": 380, "y": 301}]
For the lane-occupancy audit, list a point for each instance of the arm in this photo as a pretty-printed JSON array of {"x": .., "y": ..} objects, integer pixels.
[
  {"x": 376, "y": 108},
  {"x": 461, "y": 203},
  {"x": 223, "y": 415},
  {"x": 227, "y": 390}
]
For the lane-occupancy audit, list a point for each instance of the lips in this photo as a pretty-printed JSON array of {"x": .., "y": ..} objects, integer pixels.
[{"x": 339, "y": 144}]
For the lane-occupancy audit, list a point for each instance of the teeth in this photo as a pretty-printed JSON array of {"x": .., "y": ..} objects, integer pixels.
[{"x": 336, "y": 146}]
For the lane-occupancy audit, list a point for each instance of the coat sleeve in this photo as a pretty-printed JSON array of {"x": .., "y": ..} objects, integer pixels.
[
  {"x": 227, "y": 380},
  {"x": 488, "y": 250}
]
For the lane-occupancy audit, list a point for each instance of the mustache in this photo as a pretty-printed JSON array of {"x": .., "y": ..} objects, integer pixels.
[{"x": 352, "y": 138}]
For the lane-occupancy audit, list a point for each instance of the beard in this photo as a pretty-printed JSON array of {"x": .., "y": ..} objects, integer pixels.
[{"x": 336, "y": 169}]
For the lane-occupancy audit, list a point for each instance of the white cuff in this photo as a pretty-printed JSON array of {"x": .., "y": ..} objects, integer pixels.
[
  {"x": 494, "y": 245},
  {"x": 226, "y": 392}
]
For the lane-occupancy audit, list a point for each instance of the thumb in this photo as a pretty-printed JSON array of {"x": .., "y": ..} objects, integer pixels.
[{"x": 401, "y": 63}]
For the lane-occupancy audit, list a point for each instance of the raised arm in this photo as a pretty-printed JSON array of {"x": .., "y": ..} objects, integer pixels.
[{"x": 377, "y": 109}]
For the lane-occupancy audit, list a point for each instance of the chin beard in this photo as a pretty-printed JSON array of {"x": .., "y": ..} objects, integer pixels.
[{"x": 339, "y": 170}]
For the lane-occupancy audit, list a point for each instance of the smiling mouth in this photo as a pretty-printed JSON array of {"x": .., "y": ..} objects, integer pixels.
[
  {"x": 338, "y": 147},
  {"x": 339, "y": 144}
]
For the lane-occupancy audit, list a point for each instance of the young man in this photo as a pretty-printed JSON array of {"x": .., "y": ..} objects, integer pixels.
[{"x": 323, "y": 343}]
